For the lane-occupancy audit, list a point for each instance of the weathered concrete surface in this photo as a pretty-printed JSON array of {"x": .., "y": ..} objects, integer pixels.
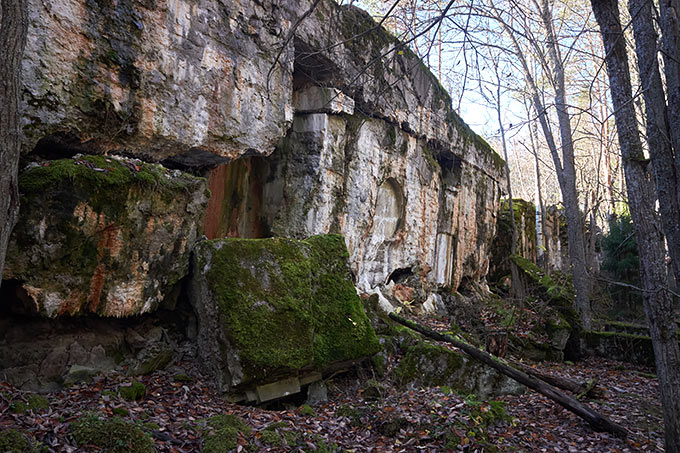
[
  {"x": 271, "y": 311},
  {"x": 157, "y": 78},
  {"x": 41, "y": 354},
  {"x": 400, "y": 206},
  {"x": 101, "y": 235}
]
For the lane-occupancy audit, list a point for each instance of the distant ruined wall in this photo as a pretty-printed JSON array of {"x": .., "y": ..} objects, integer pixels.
[
  {"x": 549, "y": 252},
  {"x": 332, "y": 134}
]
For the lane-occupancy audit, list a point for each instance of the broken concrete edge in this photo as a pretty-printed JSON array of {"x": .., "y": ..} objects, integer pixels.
[
  {"x": 274, "y": 390},
  {"x": 104, "y": 235}
]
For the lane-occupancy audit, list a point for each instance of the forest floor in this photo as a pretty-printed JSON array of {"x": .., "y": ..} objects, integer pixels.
[{"x": 174, "y": 406}]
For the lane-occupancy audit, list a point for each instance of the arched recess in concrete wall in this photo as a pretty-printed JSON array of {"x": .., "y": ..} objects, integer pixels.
[{"x": 389, "y": 210}]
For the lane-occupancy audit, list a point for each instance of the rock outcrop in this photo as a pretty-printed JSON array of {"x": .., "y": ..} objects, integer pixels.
[
  {"x": 274, "y": 313},
  {"x": 103, "y": 236}
]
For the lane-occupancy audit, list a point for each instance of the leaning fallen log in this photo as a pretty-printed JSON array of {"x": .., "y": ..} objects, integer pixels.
[
  {"x": 597, "y": 421},
  {"x": 589, "y": 388}
]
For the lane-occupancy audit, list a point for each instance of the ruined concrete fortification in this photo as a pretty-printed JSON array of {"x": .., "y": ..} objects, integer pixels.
[{"x": 341, "y": 130}]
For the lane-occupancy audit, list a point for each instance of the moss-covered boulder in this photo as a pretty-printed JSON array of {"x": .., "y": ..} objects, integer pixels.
[
  {"x": 272, "y": 309},
  {"x": 559, "y": 291},
  {"x": 103, "y": 235},
  {"x": 428, "y": 365}
]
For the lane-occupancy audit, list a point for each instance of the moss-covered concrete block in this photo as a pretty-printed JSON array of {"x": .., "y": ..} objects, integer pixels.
[
  {"x": 269, "y": 309},
  {"x": 620, "y": 346},
  {"x": 103, "y": 235},
  {"x": 428, "y": 365}
]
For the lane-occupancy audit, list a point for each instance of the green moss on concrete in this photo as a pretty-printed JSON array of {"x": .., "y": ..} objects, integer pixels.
[
  {"x": 431, "y": 160},
  {"x": 535, "y": 350},
  {"x": 341, "y": 329},
  {"x": 106, "y": 181},
  {"x": 288, "y": 304},
  {"x": 556, "y": 323},
  {"x": 629, "y": 336},
  {"x": 430, "y": 366},
  {"x": 265, "y": 305},
  {"x": 13, "y": 441},
  {"x": 560, "y": 293},
  {"x": 75, "y": 203},
  {"x": 524, "y": 215},
  {"x": 620, "y": 346},
  {"x": 113, "y": 435}
]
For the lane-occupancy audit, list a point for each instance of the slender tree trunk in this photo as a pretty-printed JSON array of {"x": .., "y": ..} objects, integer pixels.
[
  {"x": 566, "y": 172},
  {"x": 568, "y": 186},
  {"x": 539, "y": 194},
  {"x": 517, "y": 284},
  {"x": 669, "y": 189},
  {"x": 13, "y": 28},
  {"x": 657, "y": 300}
]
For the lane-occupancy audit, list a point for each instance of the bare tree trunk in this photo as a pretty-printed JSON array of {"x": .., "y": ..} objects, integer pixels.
[
  {"x": 568, "y": 178},
  {"x": 566, "y": 172},
  {"x": 657, "y": 300},
  {"x": 539, "y": 194},
  {"x": 517, "y": 283},
  {"x": 668, "y": 189},
  {"x": 13, "y": 28}
]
